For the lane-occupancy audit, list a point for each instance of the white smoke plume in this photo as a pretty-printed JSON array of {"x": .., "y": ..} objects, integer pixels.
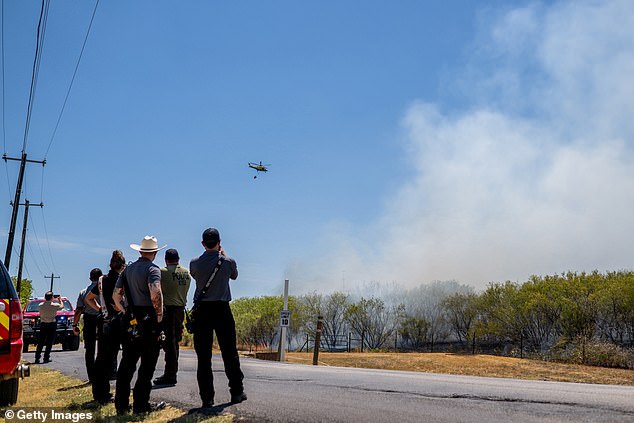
[{"x": 537, "y": 177}]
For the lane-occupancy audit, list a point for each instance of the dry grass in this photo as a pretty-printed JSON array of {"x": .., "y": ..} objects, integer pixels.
[
  {"x": 51, "y": 389},
  {"x": 473, "y": 365}
]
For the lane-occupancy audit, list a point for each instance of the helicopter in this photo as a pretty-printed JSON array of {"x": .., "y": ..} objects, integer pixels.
[{"x": 259, "y": 167}]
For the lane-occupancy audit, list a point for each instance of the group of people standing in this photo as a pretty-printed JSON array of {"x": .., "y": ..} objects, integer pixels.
[{"x": 140, "y": 308}]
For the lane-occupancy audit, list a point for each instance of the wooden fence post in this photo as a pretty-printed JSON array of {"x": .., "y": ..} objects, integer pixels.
[{"x": 320, "y": 323}]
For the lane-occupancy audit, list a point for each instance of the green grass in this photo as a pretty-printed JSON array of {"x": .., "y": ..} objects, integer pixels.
[{"x": 48, "y": 388}]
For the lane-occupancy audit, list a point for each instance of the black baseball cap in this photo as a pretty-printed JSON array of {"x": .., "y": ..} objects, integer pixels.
[
  {"x": 211, "y": 236},
  {"x": 171, "y": 255}
]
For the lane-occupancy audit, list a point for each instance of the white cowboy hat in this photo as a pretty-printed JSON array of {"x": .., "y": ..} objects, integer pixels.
[{"x": 148, "y": 245}]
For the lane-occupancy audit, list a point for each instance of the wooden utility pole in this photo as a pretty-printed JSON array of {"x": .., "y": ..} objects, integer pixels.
[
  {"x": 52, "y": 277},
  {"x": 320, "y": 324},
  {"x": 16, "y": 202},
  {"x": 26, "y": 219}
]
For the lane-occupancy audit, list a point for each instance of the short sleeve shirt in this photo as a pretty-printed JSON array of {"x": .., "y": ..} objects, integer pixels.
[
  {"x": 175, "y": 281},
  {"x": 201, "y": 269},
  {"x": 48, "y": 311},
  {"x": 140, "y": 275},
  {"x": 81, "y": 300}
]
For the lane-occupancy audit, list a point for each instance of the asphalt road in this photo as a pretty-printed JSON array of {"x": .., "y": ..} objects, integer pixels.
[{"x": 282, "y": 392}]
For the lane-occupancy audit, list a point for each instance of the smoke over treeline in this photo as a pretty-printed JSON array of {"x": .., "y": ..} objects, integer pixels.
[{"x": 534, "y": 176}]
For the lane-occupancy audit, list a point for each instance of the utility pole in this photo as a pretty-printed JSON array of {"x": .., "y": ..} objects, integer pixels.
[
  {"x": 26, "y": 219},
  {"x": 52, "y": 277},
  {"x": 16, "y": 202}
]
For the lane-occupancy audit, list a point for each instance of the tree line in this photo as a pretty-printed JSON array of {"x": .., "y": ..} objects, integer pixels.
[{"x": 575, "y": 317}]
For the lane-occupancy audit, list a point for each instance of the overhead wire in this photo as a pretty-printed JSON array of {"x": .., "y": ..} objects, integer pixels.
[
  {"x": 50, "y": 252},
  {"x": 48, "y": 243},
  {"x": 41, "y": 31},
  {"x": 59, "y": 119},
  {"x": 26, "y": 270},
  {"x": 70, "y": 86},
  {"x": 30, "y": 250},
  {"x": 17, "y": 253},
  {"x": 4, "y": 138},
  {"x": 37, "y": 241},
  {"x": 4, "y": 132}
]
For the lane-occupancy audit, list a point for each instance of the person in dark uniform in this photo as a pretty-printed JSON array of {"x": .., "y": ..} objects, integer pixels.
[
  {"x": 48, "y": 326},
  {"x": 108, "y": 329},
  {"x": 140, "y": 283},
  {"x": 175, "y": 281},
  {"x": 90, "y": 322},
  {"x": 214, "y": 314}
]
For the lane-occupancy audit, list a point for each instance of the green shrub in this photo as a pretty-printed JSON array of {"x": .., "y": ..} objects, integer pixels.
[{"x": 593, "y": 353}]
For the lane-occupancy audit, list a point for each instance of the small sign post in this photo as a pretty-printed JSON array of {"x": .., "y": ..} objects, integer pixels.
[{"x": 285, "y": 318}]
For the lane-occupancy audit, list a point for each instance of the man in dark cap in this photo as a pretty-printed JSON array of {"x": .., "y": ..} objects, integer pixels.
[
  {"x": 108, "y": 329},
  {"x": 90, "y": 322},
  {"x": 212, "y": 272},
  {"x": 175, "y": 280}
]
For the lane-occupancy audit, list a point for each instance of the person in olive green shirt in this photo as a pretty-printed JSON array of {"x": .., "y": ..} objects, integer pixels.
[{"x": 175, "y": 280}]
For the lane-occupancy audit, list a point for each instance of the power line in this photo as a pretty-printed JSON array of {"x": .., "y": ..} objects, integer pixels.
[
  {"x": 42, "y": 187},
  {"x": 70, "y": 86},
  {"x": 4, "y": 137},
  {"x": 30, "y": 250},
  {"x": 48, "y": 243},
  {"x": 37, "y": 240},
  {"x": 17, "y": 253},
  {"x": 4, "y": 132},
  {"x": 50, "y": 252},
  {"x": 41, "y": 30},
  {"x": 6, "y": 167}
]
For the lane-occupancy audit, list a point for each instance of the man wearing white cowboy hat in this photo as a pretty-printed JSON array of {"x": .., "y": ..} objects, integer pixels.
[{"x": 140, "y": 283}]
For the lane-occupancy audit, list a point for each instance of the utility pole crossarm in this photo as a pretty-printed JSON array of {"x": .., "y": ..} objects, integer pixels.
[
  {"x": 51, "y": 277},
  {"x": 16, "y": 202},
  {"x": 42, "y": 162}
]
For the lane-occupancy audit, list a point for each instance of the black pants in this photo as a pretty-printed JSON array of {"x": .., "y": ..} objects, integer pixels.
[
  {"x": 173, "y": 328},
  {"x": 45, "y": 339},
  {"x": 108, "y": 341},
  {"x": 90, "y": 342},
  {"x": 216, "y": 316},
  {"x": 146, "y": 347}
]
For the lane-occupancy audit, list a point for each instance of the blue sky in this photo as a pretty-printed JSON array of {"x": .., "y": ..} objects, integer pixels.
[{"x": 408, "y": 141}]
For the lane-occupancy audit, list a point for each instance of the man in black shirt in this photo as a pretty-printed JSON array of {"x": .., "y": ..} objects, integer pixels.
[
  {"x": 90, "y": 322},
  {"x": 108, "y": 329}
]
